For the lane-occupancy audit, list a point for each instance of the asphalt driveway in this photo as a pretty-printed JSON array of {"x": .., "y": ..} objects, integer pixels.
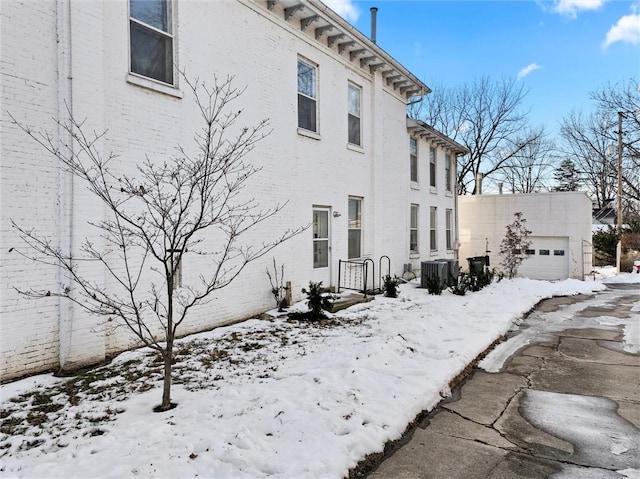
[{"x": 563, "y": 401}]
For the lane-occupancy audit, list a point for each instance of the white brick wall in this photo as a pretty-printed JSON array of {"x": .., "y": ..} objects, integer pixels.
[{"x": 229, "y": 37}]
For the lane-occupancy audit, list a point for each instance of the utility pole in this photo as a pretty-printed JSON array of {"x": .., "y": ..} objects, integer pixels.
[{"x": 619, "y": 246}]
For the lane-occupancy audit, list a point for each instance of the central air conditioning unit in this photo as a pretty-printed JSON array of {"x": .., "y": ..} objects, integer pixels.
[
  {"x": 430, "y": 270},
  {"x": 454, "y": 268},
  {"x": 445, "y": 270}
]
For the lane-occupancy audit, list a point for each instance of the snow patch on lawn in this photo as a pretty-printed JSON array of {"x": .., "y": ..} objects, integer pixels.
[{"x": 276, "y": 399}]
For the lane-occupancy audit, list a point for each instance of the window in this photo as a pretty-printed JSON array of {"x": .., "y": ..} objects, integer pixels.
[
  {"x": 151, "y": 39},
  {"x": 544, "y": 252},
  {"x": 355, "y": 228},
  {"x": 448, "y": 177},
  {"x": 448, "y": 220},
  {"x": 558, "y": 252},
  {"x": 355, "y": 96},
  {"x": 433, "y": 237},
  {"x": 530, "y": 252},
  {"x": 413, "y": 155},
  {"x": 432, "y": 166},
  {"x": 307, "y": 96},
  {"x": 413, "y": 230}
]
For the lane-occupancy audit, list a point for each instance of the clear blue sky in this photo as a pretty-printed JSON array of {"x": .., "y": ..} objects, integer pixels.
[{"x": 563, "y": 42}]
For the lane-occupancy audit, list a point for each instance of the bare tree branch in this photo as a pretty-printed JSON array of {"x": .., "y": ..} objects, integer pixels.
[{"x": 159, "y": 215}]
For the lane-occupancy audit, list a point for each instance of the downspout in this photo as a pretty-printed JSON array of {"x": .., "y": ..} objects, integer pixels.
[
  {"x": 455, "y": 203},
  {"x": 65, "y": 179}
]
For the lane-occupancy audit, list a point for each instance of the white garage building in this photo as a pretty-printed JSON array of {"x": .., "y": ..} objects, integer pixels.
[{"x": 560, "y": 225}]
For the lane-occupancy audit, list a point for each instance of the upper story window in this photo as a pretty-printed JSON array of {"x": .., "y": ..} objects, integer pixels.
[
  {"x": 432, "y": 166},
  {"x": 448, "y": 174},
  {"x": 307, "y": 96},
  {"x": 413, "y": 158},
  {"x": 355, "y": 228},
  {"x": 151, "y": 39},
  {"x": 355, "y": 101}
]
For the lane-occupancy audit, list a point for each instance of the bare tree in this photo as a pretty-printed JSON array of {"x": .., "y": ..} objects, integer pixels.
[
  {"x": 486, "y": 117},
  {"x": 189, "y": 204},
  {"x": 624, "y": 99},
  {"x": 587, "y": 142},
  {"x": 529, "y": 169}
]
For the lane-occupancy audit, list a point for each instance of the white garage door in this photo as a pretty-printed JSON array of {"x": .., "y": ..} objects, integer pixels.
[{"x": 548, "y": 258}]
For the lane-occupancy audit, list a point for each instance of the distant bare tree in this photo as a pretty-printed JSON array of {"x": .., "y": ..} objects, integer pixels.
[
  {"x": 529, "y": 170},
  {"x": 624, "y": 97},
  {"x": 188, "y": 204},
  {"x": 486, "y": 117},
  {"x": 586, "y": 140}
]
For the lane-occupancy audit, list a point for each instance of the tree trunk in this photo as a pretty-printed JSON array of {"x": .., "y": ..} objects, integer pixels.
[{"x": 166, "y": 388}]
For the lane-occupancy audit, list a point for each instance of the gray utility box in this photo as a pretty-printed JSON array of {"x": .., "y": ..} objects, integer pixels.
[{"x": 445, "y": 270}]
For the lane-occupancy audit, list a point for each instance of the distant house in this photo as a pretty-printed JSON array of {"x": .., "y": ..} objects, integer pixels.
[
  {"x": 560, "y": 225},
  {"x": 342, "y": 152},
  {"x": 603, "y": 217}
]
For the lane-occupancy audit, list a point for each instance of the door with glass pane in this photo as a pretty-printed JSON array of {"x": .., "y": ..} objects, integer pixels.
[{"x": 321, "y": 246}]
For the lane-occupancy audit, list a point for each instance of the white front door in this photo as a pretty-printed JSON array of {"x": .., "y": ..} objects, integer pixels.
[{"x": 322, "y": 246}]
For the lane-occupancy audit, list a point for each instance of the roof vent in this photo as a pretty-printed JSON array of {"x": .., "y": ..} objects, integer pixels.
[{"x": 374, "y": 14}]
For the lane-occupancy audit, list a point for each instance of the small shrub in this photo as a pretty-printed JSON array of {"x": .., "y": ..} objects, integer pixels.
[
  {"x": 278, "y": 288},
  {"x": 318, "y": 301},
  {"x": 434, "y": 285},
  {"x": 483, "y": 278},
  {"x": 514, "y": 245},
  {"x": 461, "y": 285},
  {"x": 391, "y": 286},
  {"x": 605, "y": 243}
]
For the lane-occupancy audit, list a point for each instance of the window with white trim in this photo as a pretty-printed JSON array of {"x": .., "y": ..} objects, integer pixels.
[
  {"x": 433, "y": 231},
  {"x": 355, "y": 228},
  {"x": 413, "y": 229},
  {"x": 432, "y": 166},
  {"x": 413, "y": 158},
  {"x": 307, "y": 96},
  {"x": 151, "y": 39},
  {"x": 448, "y": 165},
  {"x": 449, "y": 230},
  {"x": 353, "y": 117}
]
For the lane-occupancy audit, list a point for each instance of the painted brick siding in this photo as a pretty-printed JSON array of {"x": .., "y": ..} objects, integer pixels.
[
  {"x": 260, "y": 49},
  {"x": 29, "y": 192}
]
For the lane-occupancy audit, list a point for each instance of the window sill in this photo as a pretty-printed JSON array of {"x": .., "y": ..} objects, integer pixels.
[
  {"x": 154, "y": 85},
  {"x": 414, "y": 255},
  {"x": 354, "y": 147},
  {"x": 449, "y": 194},
  {"x": 433, "y": 190},
  {"x": 309, "y": 134},
  {"x": 415, "y": 185}
]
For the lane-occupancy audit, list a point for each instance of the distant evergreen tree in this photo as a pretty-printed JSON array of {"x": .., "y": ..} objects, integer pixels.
[{"x": 567, "y": 176}]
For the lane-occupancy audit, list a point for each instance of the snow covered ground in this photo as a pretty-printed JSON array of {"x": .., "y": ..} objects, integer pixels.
[{"x": 264, "y": 398}]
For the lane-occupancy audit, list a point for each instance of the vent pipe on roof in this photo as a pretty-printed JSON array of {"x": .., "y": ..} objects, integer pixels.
[
  {"x": 374, "y": 12},
  {"x": 479, "y": 177},
  {"x": 500, "y": 187}
]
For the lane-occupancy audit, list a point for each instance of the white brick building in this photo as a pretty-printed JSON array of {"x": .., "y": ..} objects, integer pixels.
[{"x": 341, "y": 151}]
